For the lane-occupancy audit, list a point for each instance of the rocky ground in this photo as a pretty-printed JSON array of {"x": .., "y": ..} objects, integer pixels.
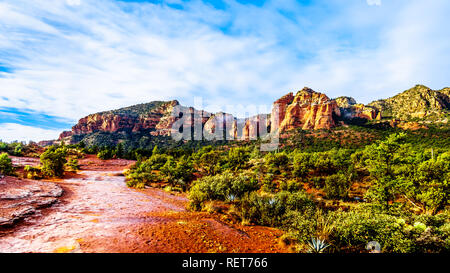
[
  {"x": 98, "y": 213},
  {"x": 21, "y": 198}
]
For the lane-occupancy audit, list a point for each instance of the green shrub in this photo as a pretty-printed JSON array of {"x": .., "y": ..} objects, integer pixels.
[
  {"x": 307, "y": 224},
  {"x": 105, "y": 154},
  {"x": 53, "y": 161},
  {"x": 237, "y": 158},
  {"x": 226, "y": 186},
  {"x": 354, "y": 229},
  {"x": 156, "y": 162},
  {"x": 73, "y": 164},
  {"x": 31, "y": 172},
  {"x": 290, "y": 185},
  {"x": 276, "y": 162},
  {"x": 337, "y": 186},
  {"x": 272, "y": 210},
  {"x": 268, "y": 183},
  {"x": 6, "y": 167},
  {"x": 178, "y": 172}
]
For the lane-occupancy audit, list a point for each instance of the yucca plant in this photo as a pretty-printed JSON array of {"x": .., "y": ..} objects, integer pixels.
[{"x": 317, "y": 245}]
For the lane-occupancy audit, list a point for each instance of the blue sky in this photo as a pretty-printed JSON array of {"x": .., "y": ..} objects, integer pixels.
[{"x": 61, "y": 60}]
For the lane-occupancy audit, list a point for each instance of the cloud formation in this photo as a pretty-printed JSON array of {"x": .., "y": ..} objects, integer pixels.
[
  {"x": 374, "y": 2},
  {"x": 10, "y": 132},
  {"x": 70, "y": 58}
]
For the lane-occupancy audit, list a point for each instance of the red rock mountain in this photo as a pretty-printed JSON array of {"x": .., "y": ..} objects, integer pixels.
[{"x": 307, "y": 110}]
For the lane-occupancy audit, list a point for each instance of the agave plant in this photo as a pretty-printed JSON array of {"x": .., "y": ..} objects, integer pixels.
[
  {"x": 231, "y": 197},
  {"x": 317, "y": 245}
]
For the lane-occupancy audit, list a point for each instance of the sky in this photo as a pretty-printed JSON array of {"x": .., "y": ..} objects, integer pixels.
[{"x": 61, "y": 60}]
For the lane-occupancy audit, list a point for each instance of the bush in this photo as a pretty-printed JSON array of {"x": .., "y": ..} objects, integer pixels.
[
  {"x": 53, "y": 161},
  {"x": 302, "y": 164},
  {"x": 354, "y": 229},
  {"x": 237, "y": 158},
  {"x": 337, "y": 186},
  {"x": 73, "y": 164},
  {"x": 178, "y": 172},
  {"x": 224, "y": 187},
  {"x": 156, "y": 162},
  {"x": 307, "y": 224},
  {"x": 105, "y": 154},
  {"x": 31, "y": 172},
  {"x": 290, "y": 185},
  {"x": 277, "y": 162},
  {"x": 272, "y": 210},
  {"x": 6, "y": 167}
]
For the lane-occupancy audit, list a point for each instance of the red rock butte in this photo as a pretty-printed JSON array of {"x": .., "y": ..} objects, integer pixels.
[{"x": 306, "y": 110}]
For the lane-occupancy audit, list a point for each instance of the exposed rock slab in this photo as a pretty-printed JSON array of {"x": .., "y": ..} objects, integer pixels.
[{"x": 21, "y": 198}]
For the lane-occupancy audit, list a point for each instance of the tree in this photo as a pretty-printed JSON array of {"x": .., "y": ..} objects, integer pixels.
[
  {"x": 381, "y": 159},
  {"x": 302, "y": 164},
  {"x": 429, "y": 184},
  {"x": 209, "y": 162},
  {"x": 53, "y": 161},
  {"x": 178, "y": 172},
  {"x": 6, "y": 167},
  {"x": 337, "y": 186},
  {"x": 120, "y": 150},
  {"x": 105, "y": 154}
]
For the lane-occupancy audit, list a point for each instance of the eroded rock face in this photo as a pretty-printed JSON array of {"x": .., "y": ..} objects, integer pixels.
[
  {"x": 308, "y": 110},
  {"x": 156, "y": 117},
  {"x": 350, "y": 109},
  {"x": 21, "y": 198}
]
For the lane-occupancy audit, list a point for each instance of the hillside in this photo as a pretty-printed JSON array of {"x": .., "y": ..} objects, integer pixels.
[{"x": 417, "y": 103}]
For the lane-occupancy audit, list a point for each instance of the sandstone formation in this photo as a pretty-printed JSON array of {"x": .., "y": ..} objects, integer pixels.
[
  {"x": 350, "y": 109},
  {"x": 308, "y": 110},
  {"x": 21, "y": 198}
]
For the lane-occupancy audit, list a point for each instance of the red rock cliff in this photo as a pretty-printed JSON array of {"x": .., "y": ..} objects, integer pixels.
[{"x": 308, "y": 110}]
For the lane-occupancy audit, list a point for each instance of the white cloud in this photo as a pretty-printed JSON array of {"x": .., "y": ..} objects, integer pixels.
[
  {"x": 73, "y": 2},
  {"x": 374, "y": 2},
  {"x": 12, "y": 131},
  {"x": 72, "y": 62}
]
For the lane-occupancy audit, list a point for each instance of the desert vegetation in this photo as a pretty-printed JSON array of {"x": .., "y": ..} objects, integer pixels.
[{"x": 391, "y": 191}]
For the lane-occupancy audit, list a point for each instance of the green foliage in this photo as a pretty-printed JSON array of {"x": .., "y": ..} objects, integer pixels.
[
  {"x": 237, "y": 158},
  {"x": 291, "y": 185},
  {"x": 226, "y": 186},
  {"x": 380, "y": 160},
  {"x": 395, "y": 234},
  {"x": 73, "y": 164},
  {"x": 53, "y": 161},
  {"x": 277, "y": 162},
  {"x": 6, "y": 167},
  {"x": 208, "y": 162},
  {"x": 31, "y": 172},
  {"x": 302, "y": 164},
  {"x": 337, "y": 186},
  {"x": 105, "y": 154},
  {"x": 178, "y": 172},
  {"x": 272, "y": 210},
  {"x": 428, "y": 183},
  {"x": 156, "y": 161}
]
